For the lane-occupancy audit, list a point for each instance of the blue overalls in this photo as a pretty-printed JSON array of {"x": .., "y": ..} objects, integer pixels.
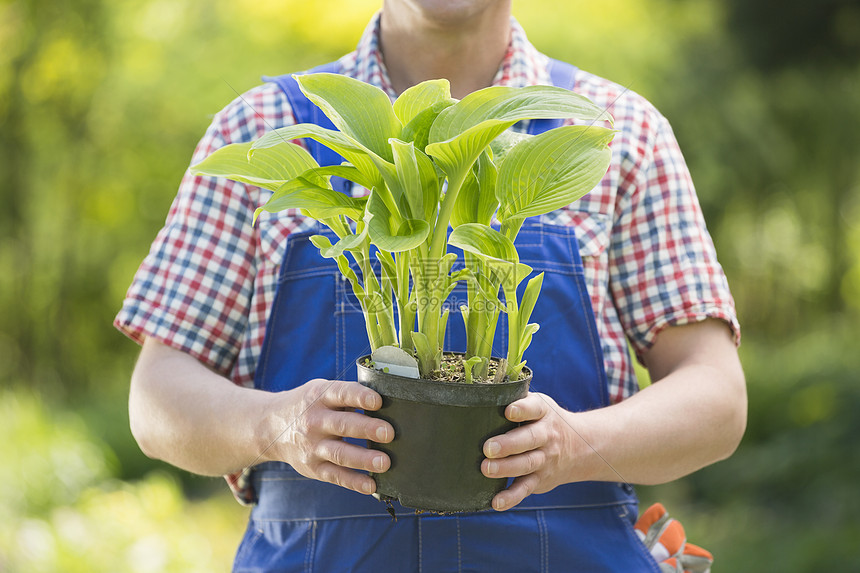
[{"x": 316, "y": 330}]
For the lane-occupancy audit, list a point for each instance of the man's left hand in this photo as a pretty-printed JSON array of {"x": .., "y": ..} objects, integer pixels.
[{"x": 535, "y": 453}]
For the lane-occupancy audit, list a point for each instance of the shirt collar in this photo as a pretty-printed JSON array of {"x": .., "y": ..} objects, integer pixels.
[{"x": 523, "y": 64}]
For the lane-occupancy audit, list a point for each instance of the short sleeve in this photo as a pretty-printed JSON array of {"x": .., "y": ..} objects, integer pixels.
[
  {"x": 663, "y": 266},
  {"x": 193, "y": 290}
]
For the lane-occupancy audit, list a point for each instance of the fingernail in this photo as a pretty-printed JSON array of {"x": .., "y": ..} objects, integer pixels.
[
  {"x": 493, "y": 448},
  {"x": 381, "y": 434},
  {"x": 514, "y": 412},
  {"x": 492, "y": 468},
  {"x": 367, "y": 488},
  {"x": 499, "y": 503},
  {"x": 378, "y": 463}
]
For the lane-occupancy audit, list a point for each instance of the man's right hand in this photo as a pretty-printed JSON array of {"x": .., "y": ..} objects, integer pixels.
[
  {"x": 309, "y": 423},
  {"x": 185, "y": 414}
]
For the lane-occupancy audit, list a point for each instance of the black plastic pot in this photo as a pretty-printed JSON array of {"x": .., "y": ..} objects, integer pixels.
[{"x": 439, "y": 432}]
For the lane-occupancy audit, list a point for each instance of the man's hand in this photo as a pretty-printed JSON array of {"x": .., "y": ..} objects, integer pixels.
[
  {"x": 537, "y": 454},
  {"x": 309, "y": 423},
  {"x": 692, "y": 415}
]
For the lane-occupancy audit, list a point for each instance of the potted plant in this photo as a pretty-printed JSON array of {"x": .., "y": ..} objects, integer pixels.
[{"x": 442, "y": 175}]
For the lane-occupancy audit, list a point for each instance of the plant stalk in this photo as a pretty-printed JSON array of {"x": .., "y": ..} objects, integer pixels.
[
  {"x": 440, "y": 233},
  {"x": 515, "y": 353}
]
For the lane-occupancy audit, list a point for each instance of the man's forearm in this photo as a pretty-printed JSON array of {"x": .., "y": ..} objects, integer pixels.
[
  {"x": 185, "y": 414},
  {"x": 692, "y": 415},
  {"x": 190, "y": 417},
  {"x": 691, "y": 418}
]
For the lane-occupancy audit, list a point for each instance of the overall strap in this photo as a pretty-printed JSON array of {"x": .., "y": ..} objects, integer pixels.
[
  {"x": 305, "y": 111},
  {"x": 563, "y": 75}
]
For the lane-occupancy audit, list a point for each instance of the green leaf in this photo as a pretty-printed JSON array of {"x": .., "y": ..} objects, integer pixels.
[
  {"x": 269, "y": 169},
  {"x": 477, "y": 201},
  {"x": 346, "y": 172},
  {"x": 351, "y": 150},
  {"x": 484, "y": 241},
  {"x": 320, "y": 202},
  {"x": 469, "y": 364},
  {"x": 346, "y": 270},
  {"x": 483, "y": 289},
  {"x": 505, "y": 142},
  {"x": 323, "y": 243},
  {"x": 497, "y": 252},
  {"x": 461, "y": 275},
  {"x": 436, "y": 275},
  {"x": 552, "y": 170},
  {"x": 464, "y": 206},
  {"x": 347, "y": 243},
  {"x": 358, "y": 109},
  {"x": 420, "y": 98},
  {"x": 446, "y": 263},
  {"x": 462, "y": 131},
  {"x": 419, "y": 183},
  {"x": 457, "y": 155},
  {"x": 328, "y": 251},
  {"x": 418, "y": 130},
  {"x": 505, "y": 274},
  {"x": 426, "y": 353},
  {"x": 513, "y": 372},
  {"x": 530, "y": 296},
  {"x": 526, "y": 338},
  {"x": 510, "y": 104},
  {"x": 390, "y": 232},
  {"x": 487, "y": 176},
  {"x": 443, "y": 324}
]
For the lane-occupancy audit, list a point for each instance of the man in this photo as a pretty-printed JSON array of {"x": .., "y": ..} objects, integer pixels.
[{"x": 201, "y": 300}]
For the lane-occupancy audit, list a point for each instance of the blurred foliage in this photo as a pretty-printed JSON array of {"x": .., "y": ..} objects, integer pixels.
[
  {"x": 101, "y": 104},
  {"x": 65, "y": 512},
  {"x": 779, "y": 34}
]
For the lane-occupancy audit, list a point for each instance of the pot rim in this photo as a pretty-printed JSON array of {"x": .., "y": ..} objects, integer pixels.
[
  {"x": 440, "y": 391},
  {"x": 526, "y": 370}
]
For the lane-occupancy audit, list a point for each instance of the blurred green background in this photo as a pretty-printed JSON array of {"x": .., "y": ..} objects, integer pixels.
[{"x": 101, "y": 104}]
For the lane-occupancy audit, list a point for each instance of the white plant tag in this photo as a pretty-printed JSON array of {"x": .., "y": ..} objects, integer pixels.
[{"x": 395, "y": 361}]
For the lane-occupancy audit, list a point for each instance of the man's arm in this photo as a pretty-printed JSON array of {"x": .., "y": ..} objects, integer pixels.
[
  {"x": 693, "y": 415},
  {"x": 183, "y": 413}
]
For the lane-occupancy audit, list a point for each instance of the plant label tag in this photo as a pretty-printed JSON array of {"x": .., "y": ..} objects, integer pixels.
[
  {"x": 397, "y": 370},
  {"x": 395, "y": 361}
]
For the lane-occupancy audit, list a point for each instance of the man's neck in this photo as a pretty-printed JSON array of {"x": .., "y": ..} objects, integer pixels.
[{"x": 464, "y": 46}]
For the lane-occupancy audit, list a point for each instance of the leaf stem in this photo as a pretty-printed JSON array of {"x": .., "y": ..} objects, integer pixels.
[
  {"x": 440, "y": 233},
  {"x": 515, "y": 352}
]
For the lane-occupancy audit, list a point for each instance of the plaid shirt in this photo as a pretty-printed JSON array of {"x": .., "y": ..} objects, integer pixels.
[{"x": 210, "y": 277}]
